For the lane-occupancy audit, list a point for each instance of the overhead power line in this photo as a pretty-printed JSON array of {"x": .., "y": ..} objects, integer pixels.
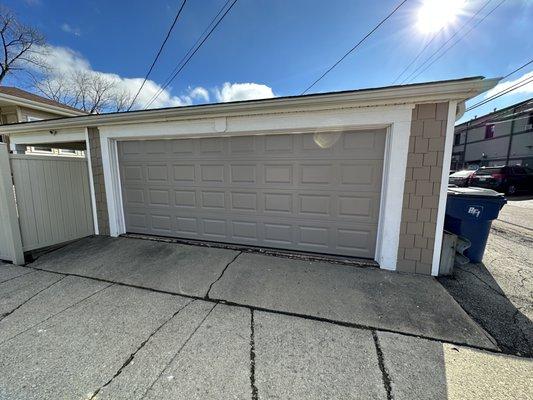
[
  {"x": 414, "y": 74},
  {"x": 518, "y": 69},
  {"x": 193, "y": 50},
  {"x": 418, "y": 55},
  {"x": 355, "y": 47},
  {"x": 158, "y": 53},
  {"x": 502, "y": 92}
]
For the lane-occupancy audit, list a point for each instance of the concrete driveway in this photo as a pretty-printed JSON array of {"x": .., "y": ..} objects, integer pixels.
[{"x": 136, "y": 319}]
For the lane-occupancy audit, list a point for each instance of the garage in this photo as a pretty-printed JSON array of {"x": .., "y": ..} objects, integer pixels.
[{"x": 314, "y": 192}]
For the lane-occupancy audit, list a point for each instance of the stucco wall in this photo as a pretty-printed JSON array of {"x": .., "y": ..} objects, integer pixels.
[
  {"x": 422, "y": 187},
  {"x": 99, "y": 184}
]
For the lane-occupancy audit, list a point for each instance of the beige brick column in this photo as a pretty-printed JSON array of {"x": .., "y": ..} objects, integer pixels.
[
  {"x": 422, "y": 187},
  {"x": 98, "y": 179}
]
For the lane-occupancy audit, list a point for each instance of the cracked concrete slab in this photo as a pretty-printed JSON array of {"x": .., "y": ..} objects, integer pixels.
[
  {"x": 172, "y": 267},
  {"x": 10, "y": 271},
  {"x": 74, "y": 353},
  {"x": 46, "y": 304},
  {"x": 146, "y": 365},
  {"x": 213, "y": 364},
  {"x": 370, "y": 297},
  {"x": 424, "y": 369},
  {"x": 15, "y": 292},
  {"x": 303, "y": 359}
]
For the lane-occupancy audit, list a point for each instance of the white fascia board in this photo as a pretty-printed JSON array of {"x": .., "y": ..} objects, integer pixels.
[
  {"x": 396, "y": 95},
  {"x": 42, "y": 137},
  {"x": 35, "y": 105}
]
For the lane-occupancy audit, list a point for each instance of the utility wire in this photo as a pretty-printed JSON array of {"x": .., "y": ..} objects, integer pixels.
[
  {"x": 355, "y": 47},
  {"x": 158, "y": 53},
  {"x": 418, "y": 55},
  {"x": 459, "y": 39},
  {"x": 517, "y": 85},
  {"x": 167, "y": 80},
  {"x": 186, "y": 59},
  {"x": 518, "y": 69}
]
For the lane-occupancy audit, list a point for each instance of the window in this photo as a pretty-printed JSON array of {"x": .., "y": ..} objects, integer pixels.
[
  {"x": 457, "y": 139},
  {"x": 42, "y": 149},
  {"x": 67, "y": 151},
  {"x": 489, "y": 131}
]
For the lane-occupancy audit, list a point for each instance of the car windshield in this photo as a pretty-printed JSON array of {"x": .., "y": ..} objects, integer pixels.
[
  {"x": 461, "y": 174},
  {"x": 489, "y": 171}
]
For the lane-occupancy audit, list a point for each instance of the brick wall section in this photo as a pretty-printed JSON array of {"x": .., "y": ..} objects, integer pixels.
[
  {"x": 422, "y": 188},
  {"x": 99, "y": 185}
]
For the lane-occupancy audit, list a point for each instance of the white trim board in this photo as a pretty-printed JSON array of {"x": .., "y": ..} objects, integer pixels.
[
  {"x": 446, "y": 162},
  {"x": 397, "y": 119},
  {"x": 91, "y": 181}
]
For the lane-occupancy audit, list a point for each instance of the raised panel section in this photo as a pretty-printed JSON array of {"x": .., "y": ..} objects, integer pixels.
[
  {"x": 133, "y": 173},
  {"x": 244, "y": 230},
  {"x": 184, "y": 172},
  {"x": 161, "y": 222},
  {"x": 187, "y": 225},
  {"x": 243, "y": 173},
  {"x": 185, "y": 198},
  {"x": 278, "y": 173},
  {"x": 278, "y": 233},
  {"x": 317, "y": 174},
  {"x": 213, "y": 199},
  {"x": 212, "y": 173},
  {"x": 278, "y": 202},
  {"x": 315, "y": 204},
  {"x": 134, "y": 196},
  {"x": 159, "y": 197},
  {"x": 215, "y": 227},
  {"x": 157, "y": 173},
  {"x": 244, "y": 201}
]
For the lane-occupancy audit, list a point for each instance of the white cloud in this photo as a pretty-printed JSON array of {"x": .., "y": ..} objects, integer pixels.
[
  {"x": 243, "y": 91},
  {"x": 199, "y": 93},
  {"x": 70, "y": 29},
  {"x": 65, "y": 61},
  {"x": 505, "y": 85}
]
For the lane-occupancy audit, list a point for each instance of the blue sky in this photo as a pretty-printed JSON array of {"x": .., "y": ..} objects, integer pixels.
[{"x": 283, "y": 45}]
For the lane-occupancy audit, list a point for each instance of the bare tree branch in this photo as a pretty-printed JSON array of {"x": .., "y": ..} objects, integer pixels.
[{"x": 17, "y": 41}]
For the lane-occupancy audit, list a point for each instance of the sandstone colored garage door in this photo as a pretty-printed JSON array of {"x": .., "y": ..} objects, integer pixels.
[{"x": 316, "y": 192}]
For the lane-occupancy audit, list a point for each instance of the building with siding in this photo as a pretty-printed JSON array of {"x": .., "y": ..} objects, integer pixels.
[
  {"x": 17, "y": 105},
  {"x": 503, "y": 137}
]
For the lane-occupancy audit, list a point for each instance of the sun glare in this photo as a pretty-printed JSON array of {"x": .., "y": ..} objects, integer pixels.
[{"x": 436, "y": 14}]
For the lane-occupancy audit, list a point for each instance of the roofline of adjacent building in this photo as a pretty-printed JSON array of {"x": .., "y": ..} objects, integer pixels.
[
  {"x": 450, "y": 90},
  {"x": 37, "y": 105},
  {"x": 500, "y": 111}
]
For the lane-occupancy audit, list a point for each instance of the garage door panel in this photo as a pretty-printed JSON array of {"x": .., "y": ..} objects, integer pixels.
[{"x": 276, "y": 191}]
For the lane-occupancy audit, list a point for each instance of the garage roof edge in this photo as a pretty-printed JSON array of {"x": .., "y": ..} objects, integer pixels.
[{"x": 457, "y": 90}]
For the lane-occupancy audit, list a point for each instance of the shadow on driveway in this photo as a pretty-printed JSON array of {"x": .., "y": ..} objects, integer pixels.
[{"x": 480, "y": 295}]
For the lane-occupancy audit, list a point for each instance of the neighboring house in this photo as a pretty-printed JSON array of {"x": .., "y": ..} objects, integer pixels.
[
  {"x": 503, "y": 137},
  {"x": 360, "y": 173},
  {"x": 17, "y": 105}
]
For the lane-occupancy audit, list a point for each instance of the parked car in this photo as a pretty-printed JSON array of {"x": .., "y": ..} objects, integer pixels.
[
  {"x": 460, "y": 178},
  {"x": 508, "y": 179}
]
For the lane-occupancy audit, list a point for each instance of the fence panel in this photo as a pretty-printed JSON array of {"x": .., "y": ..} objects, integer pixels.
[
  {"x": 53, "y": 199},
  {"x": 10, "y": 240}
]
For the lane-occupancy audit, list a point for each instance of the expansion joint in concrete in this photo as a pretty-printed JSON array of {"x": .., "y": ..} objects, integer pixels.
[
  {"x": 255, "y": 394},
  {"x": 132, "y": 355},
  {"x": 384, "y": 373},
  {"x": 178, "y": 352}
]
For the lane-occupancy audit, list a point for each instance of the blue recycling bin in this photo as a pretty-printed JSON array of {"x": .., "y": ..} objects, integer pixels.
[{"x": 469, "y": 213}]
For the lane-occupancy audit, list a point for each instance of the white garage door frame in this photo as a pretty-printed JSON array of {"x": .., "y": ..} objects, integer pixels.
[{"x": 396, "y": 119}]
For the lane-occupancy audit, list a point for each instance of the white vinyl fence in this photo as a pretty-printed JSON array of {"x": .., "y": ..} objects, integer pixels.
[{"x": 52, "y": 199}]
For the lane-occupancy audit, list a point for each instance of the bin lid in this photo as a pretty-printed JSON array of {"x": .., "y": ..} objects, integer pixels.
[{"x": 473, "y": 192}]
